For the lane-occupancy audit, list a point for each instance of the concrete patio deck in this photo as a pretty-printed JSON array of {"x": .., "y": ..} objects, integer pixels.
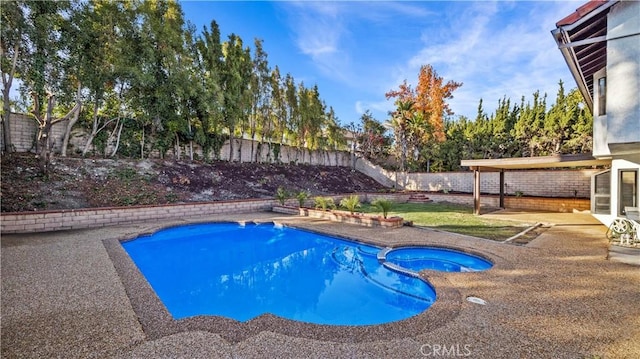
[{"x": 557, "y": 297}]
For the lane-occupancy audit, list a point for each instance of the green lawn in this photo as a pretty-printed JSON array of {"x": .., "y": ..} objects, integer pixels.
[{"x": 452, "y": 218}]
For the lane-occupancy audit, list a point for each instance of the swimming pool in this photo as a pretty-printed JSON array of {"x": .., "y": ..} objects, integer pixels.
[
  {"x": 439, "y": 259},
  {"x": 242, "y": 271}
]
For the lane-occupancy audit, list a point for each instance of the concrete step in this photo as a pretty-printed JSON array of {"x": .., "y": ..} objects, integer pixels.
[{"x": 419, "y": 198}]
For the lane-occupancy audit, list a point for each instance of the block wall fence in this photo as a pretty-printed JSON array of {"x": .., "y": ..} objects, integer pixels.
[
  {"x": 542, "y": 183},
  {"x": 24, "y": 131}
]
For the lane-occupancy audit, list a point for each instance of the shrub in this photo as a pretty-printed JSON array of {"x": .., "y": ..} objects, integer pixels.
[
  {"x": 324, "y": 203},
  {"x": 302, "y": 196},
  {"x": 384, "y": 205},
  {"x": 282, "y": 195},
  {"x": 351, "y": 203}
]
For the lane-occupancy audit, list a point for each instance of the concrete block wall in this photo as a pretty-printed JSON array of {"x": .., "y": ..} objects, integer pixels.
[
  {"x": 543, "y": 183},
  {"x": 47, "y": 221},
  {"x": 24, "y": 131},
  {"x": 265, "y": 153},
  {"x": 547, "y": 204}
]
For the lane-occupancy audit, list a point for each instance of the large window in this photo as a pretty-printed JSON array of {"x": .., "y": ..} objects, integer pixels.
[
  {"x": 601, "y": 196},
  {"x": 628, "y": 190}
]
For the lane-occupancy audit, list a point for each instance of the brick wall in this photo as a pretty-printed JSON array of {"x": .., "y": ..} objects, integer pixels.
[
  {"x": 547, "y": 204},
  {"x": 46, "y": 221},
  {"x": 542, "y": 183}
]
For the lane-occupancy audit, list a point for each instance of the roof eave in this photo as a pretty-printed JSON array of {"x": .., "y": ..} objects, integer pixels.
[{"x": 568, "y": 54}]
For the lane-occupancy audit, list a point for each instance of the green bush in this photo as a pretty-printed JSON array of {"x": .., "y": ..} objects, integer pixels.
[
  {"x": 384, "y": 205},
  {"x": 282, "y": 195},
  {"x": 324, "y": 203},
  {"x": 302, "y": 196},
  {"x": 351, "y": 203}
]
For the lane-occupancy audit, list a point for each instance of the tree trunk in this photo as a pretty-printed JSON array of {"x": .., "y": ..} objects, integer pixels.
[
  {"x": 6, "y": 121},
  {"x": 94, "y": 129},
  {"x": 142, "y": 145},
  {"x": 7, "y": 80},
  {"x": 43, "y": 142},
  {"x": 71, "y": 123},
  {"x": 231, "y": 144},
  {"x": 117, "y": 145}
]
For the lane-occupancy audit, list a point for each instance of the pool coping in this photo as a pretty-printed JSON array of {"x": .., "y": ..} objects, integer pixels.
[{"x": 157, "y": 322}]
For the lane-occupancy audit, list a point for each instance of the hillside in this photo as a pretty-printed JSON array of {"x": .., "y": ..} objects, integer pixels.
[{"x": 84, "y": 182}]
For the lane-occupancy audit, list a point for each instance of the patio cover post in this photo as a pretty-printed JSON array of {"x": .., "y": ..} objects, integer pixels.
[
  {"x": 476, "y": 191},
  {"x": 502, "y": 188}
]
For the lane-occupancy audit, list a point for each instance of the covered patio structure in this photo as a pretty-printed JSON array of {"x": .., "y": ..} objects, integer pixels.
[{"x": 519, "y": 163}]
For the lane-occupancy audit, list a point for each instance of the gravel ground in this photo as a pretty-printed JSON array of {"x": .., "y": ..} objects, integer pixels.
[{"x": 65, "y": 294}]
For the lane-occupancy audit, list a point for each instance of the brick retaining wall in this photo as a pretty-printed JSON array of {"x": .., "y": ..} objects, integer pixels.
[
  {"x": 47, "y": 221},
  {"x": 546, "y": 204}
]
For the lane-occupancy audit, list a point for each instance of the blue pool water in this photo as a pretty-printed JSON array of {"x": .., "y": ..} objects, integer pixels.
[
  {"x": 440, "y": 259},
  {"x": 243, "y": 271}
]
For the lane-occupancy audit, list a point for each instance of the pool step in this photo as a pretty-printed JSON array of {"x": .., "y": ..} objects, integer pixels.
[{"x": 419, "y": 198}]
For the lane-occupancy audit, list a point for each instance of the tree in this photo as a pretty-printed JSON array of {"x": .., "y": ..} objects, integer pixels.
[
  {"x": 400, "y": 124},
  {"x": 279, "y": 105},
  {"x": 528, "y": 129},
  {"x": 581, "y": 137},
  {"x": 43, "y": 70},
  {"x": 212, "y": 99},
  {"x": 420, "y": 114},
  {"x": 260, "y": 117},
  {"x": 431, "y": 96},
  {"x": 12, "y": 43},
  {"x": 235, "y": 77},
  {"x": 93, "y": 42},
  {"x": 373, "y": 141}
]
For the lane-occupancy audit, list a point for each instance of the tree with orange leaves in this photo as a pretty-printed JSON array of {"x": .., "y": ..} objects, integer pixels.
[{"x": 427, "y": 112}]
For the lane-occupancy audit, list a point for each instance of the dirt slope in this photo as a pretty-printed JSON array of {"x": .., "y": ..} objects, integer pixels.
[{"x": 83, "y": 183}]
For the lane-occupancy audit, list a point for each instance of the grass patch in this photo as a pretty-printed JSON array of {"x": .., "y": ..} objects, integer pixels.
[{"x": 452, "y": 218}]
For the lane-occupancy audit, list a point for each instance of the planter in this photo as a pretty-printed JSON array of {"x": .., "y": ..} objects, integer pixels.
[
  {"x": 279, "y": 208},
  {"x": 361, "y": 219}
]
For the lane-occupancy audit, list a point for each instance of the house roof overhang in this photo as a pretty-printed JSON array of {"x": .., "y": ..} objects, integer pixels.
[
  {"x": 582, "y": 40},
  {"x": 555, "y": 161}
]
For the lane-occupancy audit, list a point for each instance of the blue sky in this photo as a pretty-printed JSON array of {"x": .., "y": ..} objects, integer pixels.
[{"x": 356, "y": 51}]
